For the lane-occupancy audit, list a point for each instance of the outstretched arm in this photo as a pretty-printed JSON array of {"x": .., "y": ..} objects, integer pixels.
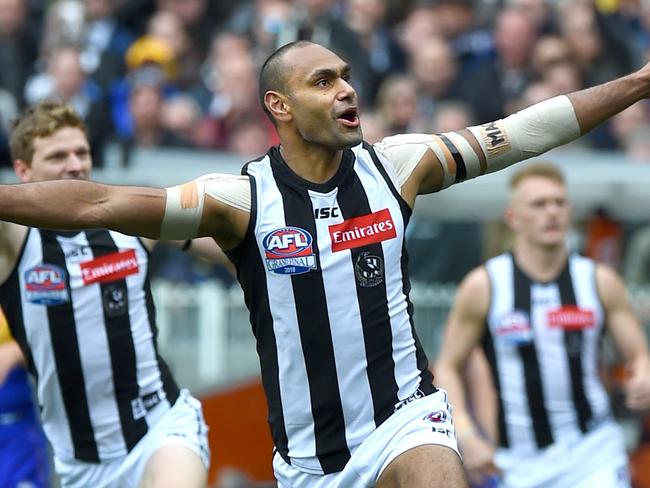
[
  {"x": 434, "y": 162},
  {"x": 211, "y": 206},
  {"x": 68, "y": 204}
]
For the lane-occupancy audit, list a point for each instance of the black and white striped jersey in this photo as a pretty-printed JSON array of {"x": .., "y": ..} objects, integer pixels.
[
  {"x": 542, "y": 343},
  {"x": 80, "y": 306},
  {"x": 323, "y": 268}
]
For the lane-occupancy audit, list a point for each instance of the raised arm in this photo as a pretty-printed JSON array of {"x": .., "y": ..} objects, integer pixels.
[
  {"x": 465, "y": 326},
  {"x": 437, "y": 161},
  {"x": 628, "y": 336}
]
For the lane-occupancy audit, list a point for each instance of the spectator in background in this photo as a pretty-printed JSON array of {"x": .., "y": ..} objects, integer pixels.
[
  {"x": 497, "y": 81},
  {"x": 19, "y": 41},
  {"x": 92, "y": 25},
  {"x": 146, "y": 101},
  {"x": 261, "y": 21},
  {"x": 64, "y": 80},
  {"x": 225, "y": 45},
  {"x": 451, "y": 116},
  {"x": 180, "y": 114},
  {"x": 420, "y": 25},
  {"x": 8, "y": 112},
  {"x": 458, "y": 25},
  {"x": 598, "y": 55},
  {"x": 167, "y": 27},
  {"x": 549, "y": 50},
  {"x": 628, "y": 121},
  {"x": 233, "y": 99},
  {"x": 197, "y": 19},
  {"x": 368, "y": 19},
  {"x": 397, "y": 105},
  {"x": 435, "y": 70}
]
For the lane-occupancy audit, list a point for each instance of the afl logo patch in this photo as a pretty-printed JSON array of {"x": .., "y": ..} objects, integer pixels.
[
  {"x": 288, "y": 250},
  {"x": 45, "y": 284},
  {"x": 514, "y": 327}
]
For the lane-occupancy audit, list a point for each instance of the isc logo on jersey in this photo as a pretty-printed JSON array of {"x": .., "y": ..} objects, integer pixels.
[
  {"x": 514, "y": 327},
  {"x": 288, "y": 250},
  {"x": 46, "y": 285}
]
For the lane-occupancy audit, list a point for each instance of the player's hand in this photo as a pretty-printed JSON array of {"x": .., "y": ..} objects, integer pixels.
[
  {"x": 478, "y": 458},
  {"x": 10, "y": 357},
  {"x": 637, "y": 386}
]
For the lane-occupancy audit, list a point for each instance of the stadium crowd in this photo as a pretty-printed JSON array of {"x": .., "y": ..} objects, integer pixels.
[{"x": 183, "y": 73}]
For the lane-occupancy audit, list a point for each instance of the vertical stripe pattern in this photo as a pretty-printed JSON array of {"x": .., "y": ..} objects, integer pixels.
[
  {"x": 83, "y": 313},
  {"x": 337, "y": 332},
  {"x": 542, "y": 345}
]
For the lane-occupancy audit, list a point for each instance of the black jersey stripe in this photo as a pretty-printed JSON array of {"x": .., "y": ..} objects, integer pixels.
[
  {"x": 316, "y": 337},
  {"x": 403, "y": 205},
  {"x": 574, "y": 340},
  {"x": 426, "y": 377},
  {"x": 169, "y": 383},
  {"x": 422, "y": 362},
  {"x": 461, "y": 170},
  {"x": 373, "y": 306},
  {"x": 115, "y": 299},
  {"x": 530, "y": 361},
  {"x": 257, "y": 301},
  {"x": 65, "y": 346},
  {"x": 490, "y": 355}
]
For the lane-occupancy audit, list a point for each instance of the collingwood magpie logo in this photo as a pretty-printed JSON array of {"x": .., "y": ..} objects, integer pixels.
[{"x": 369, "y": 270}]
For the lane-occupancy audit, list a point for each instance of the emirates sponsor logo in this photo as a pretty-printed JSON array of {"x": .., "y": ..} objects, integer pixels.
[
  {"x": 360, "y": 231},
  {"x": 111, "y": 267},
  {"x": 571, "y": 318}
]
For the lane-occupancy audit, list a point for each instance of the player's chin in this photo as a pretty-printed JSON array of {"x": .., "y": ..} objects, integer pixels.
[{"x": 350, "y": 138}]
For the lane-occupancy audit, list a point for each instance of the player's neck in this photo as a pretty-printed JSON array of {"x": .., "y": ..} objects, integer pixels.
[
  {"x": 311, "y": 162},
  {"x": 540, "y": 263}
]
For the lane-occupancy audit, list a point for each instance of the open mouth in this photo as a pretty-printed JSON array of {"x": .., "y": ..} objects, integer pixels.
[{"x": 349, "y": 117}]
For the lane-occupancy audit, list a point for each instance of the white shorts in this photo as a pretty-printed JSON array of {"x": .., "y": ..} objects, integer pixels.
[
  {"x": 182, "y": 424},
  {"x": 424, "y": 421},
  {"x": 595, "y": 460}
]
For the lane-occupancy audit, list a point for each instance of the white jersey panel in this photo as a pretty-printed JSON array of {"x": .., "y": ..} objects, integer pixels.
[
  {"x": 406, "y": 371},
  {"x": 94, "y": 354},
  {"x": 291, "y": 364},
  {"x": 53, "y": 416},
  {"x": 583, "y": 271},
  {"x": 509, "y": 365},
  {"x": 338, "y": 288}
]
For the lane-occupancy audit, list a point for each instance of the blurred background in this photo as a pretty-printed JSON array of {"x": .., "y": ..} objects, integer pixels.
[{"x": 168, "y": 90}]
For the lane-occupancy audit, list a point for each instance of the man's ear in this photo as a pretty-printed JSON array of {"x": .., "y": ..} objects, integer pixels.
[
  {"x": 277, "y": 104},
  {"x": 22, "y": 170}
]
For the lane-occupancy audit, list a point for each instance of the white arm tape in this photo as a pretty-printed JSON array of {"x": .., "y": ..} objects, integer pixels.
[
  {"x": 527, "y": 133},
  {"x": 183, "y": 211},
  {"x": 184, "y": 208}
]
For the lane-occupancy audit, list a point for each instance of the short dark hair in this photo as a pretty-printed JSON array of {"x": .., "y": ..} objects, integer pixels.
[{"x": 272, "y": 74}]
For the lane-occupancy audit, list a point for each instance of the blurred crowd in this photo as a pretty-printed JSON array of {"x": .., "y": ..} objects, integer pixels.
[{"x": 183, "y": 73}]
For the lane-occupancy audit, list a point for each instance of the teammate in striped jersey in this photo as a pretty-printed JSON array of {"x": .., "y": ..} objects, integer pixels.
[
  {"x": 23, "y": 448},
  {"x": 540, "y": 312},
  {"x": 316, "y": 230},
  {"x": 80, "y": 307}
]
